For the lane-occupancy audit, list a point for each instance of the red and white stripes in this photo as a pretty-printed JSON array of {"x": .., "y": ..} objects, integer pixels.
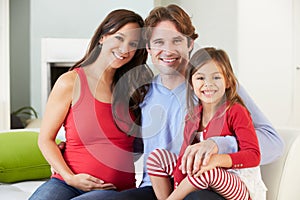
[
  {"x": 162, "y": 163},
  {"x": 223, "y": 182}
]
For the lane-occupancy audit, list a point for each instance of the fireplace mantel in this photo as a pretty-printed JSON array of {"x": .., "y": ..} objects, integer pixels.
[{"x": 58, "y": 50}]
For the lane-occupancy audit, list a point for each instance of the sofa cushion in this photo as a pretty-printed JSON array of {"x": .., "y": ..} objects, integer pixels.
[{"x": 21, "y": 158}]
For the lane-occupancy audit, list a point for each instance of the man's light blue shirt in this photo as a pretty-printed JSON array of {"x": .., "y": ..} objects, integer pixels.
[{"x": 163, "y": 113}]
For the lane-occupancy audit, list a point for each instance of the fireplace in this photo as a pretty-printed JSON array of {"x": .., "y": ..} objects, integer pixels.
[
  {"x": 58, "y": 55},
  {"x": 57, "y": 69}
]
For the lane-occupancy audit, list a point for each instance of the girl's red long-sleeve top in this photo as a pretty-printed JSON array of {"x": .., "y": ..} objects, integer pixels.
[{"x": 235, "y": 121}]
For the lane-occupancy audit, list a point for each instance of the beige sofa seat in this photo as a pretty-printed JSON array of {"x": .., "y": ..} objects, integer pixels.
[{"x": 282, "y": 177}]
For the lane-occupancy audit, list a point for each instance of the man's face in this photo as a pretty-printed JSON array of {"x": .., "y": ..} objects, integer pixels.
[{"x": 169, "y": 49}]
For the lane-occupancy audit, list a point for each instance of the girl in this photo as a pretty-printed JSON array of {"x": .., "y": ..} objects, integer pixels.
[
  {"x": 219, "y": 112},
  {"x": 97, "y": 101}
]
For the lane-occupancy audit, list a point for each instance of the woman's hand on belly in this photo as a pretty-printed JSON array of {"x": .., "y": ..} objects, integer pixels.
[{"x": 87, "y": 182}]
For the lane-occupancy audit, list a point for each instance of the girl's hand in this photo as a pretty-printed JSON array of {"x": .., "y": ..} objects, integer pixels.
[
  {"x": 197, "y": 155},
  {"x": 216, "y": 160},
  {"x": 213, "y": 163},
  {"x": 87, "y": 182}
]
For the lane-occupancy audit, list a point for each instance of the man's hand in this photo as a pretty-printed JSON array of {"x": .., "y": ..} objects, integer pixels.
[
  {"x": 87, "y": 182},
  {"x": 197, "y": 155}
]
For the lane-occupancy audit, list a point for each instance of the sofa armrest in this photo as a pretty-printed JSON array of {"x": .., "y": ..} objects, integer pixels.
[{"x": 282, "y": 176}]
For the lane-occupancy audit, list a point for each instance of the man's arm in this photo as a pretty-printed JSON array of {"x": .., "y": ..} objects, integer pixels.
[
  {"x": 225, "y": 145},
  {"x": 271, "y": 144}
]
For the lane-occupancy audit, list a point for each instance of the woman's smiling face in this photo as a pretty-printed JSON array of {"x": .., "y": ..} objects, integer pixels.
[{"x": 120, "y": 47}]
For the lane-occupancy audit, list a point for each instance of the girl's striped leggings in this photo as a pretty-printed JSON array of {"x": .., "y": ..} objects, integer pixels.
[{"x": 162, "y": 163}]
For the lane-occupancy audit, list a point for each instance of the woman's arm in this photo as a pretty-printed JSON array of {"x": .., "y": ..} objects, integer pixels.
[{"x": 57, "y": 107}]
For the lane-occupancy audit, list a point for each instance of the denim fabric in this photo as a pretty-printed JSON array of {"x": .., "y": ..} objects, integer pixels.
[
  {"x": 55, "y": 189},
  {"x": 144, "y": 193},
  {"x": 97, "y": 194},
  {"x": 204, "y": 194}
]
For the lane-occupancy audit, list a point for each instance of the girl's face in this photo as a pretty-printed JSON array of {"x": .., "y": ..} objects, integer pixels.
[
  {"x": 119, "y": 48},
  {"x": 209, "y": 83}
]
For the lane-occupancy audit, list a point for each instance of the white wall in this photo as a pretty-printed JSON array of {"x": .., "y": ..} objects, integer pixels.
[
  {"x": 265, "y": 55},
  {"x": 215, "y": 22},
  {"x": 4, "y": 66},
  {"x": 68, "y": 19},
  {"x": 295, "y": 121}
]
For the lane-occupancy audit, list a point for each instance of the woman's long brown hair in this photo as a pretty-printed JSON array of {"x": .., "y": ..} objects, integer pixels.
[{"x": 136, "y": 75}]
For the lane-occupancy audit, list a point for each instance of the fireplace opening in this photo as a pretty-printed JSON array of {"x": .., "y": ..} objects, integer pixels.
[{"x": 57, "y": 69}]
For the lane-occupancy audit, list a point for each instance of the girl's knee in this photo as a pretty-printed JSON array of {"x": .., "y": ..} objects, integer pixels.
[{"x": 153, "y": 158}]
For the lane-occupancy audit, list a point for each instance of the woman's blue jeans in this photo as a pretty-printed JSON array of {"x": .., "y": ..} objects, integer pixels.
[{"x": 55, "y": 189}]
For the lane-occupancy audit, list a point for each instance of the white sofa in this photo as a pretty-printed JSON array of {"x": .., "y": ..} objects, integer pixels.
[{"x": 281, "y": 177}]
